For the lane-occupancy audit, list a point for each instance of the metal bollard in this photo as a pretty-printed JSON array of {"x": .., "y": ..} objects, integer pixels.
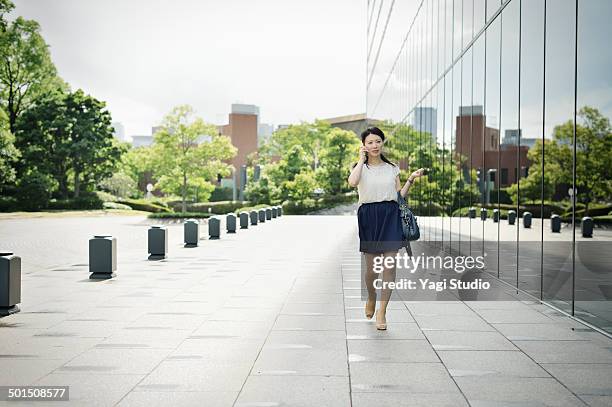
[
  {"x": 254, "y": 216},
  {"x": 496, "y": 215},
  {"x": 279, "y": 210},
  {"x": 274, "y": 212},
  {"x": 483, "y": 214},
  {"x": 586, "y": 226},
  {"x": 10, "y": 283},
  {"x": 191, "y": 228},
  {"x": 555, "y": 223},
  {"x": 472, "y": 213},
  {"x": 262, "y": 215},
  {"x": 214, "y": 228},
  {"x": 527, "y": 220},
  {"x": 158, "y": 242},
  {"x": 268, "y": 213},
  {"x": 511, "y": 217},
  {"x": 244, "y": 220},
  {"x": 102, "y": 257},
  {"x": 230, "y": 223}
]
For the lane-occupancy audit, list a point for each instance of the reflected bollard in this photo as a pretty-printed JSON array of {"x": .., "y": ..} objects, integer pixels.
[
  {"x": 483, "y": 214},
  {"x": 230, "y": 223},
  {"x": 472, "y": 213},
  {"x": 274, "y": 212},
  {"x": 254, "y": 216},
  {"x": 511, "y": 217},
  {"x": 279, "y": 211},
  {"x": 214, "y": 228},
  {"x": 244, "y": 220},
  {"x": 496, "y": 215},
  {"x": 10, "y": 283},
  {"x": 102, "y": 257},
  {"x": 191, "y": 229},
  {"x": 527, "y": 219},
  {"x": 268, "y": 213},
  {"x": 158, "y": 242},
  {"x": 586, "y": 226},
  {"x": 262, "y": 215},
  {"x": 555, "y": 223}
]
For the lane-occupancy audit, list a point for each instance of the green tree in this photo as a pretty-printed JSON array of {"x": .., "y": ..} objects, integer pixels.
[
  {"x": 27, "y": 71},
  {"x": 593, "y": 155},
  {"x": 311, "y": 137},
  {"x": 261, "y": 191},
  {"x": 120, "y": 184},
  {"x": 340, "y": 149},
  {"x": 137, "y": 163},
  {"x": 530, "y": 187},
  {"x": 70, "y": 137},
  {"x": 8, "y": 153},
  {"x": 294, "y": 161},
  {"x": 301, "y": 187},
  {"x": 183, "y": 161},
  {"x": 593, "y": 160}
]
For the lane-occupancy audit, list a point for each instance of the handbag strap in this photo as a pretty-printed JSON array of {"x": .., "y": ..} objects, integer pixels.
[{"x": 400, "y": 199}]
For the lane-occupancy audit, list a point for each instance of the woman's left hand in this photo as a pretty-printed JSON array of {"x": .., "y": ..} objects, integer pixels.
[{"x": 418, "y": 173}]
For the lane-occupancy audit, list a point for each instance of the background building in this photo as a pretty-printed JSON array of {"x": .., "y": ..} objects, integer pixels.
[
  {"x": 242, "y": 129},
  {"x": 142, "y": 141},
  {"x": 354, "y": 122},
  {"x": 527, "y": 70},
  {"x": 424, "y": 119},
  {"x": 119, "y": 131}
]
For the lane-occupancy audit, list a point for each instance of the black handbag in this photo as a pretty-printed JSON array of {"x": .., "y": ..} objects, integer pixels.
[{"x": 409, "y": 221}]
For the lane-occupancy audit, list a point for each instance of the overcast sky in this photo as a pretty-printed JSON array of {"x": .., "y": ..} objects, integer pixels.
[{"x": 295, "y": 59}]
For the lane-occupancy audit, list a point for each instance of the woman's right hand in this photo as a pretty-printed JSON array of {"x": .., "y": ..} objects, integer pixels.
[{"x": 362, "y": 154}]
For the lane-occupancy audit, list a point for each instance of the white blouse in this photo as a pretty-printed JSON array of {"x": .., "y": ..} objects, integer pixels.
[{"x": 377, "y": 183}]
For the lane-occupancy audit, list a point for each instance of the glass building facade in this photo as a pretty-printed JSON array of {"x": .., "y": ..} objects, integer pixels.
[{"x": 509, "y": 104}]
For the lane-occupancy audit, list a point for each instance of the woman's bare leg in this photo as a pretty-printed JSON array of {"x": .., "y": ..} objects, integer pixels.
[
  {"x": 388, "y": 276},
  {"x": 369, "y": 277}
]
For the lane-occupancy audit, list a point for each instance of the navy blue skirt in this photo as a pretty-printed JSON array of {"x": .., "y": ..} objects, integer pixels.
[{"x": 380, "y": 227}]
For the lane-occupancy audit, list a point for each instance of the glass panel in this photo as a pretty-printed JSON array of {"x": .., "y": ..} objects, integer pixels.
[
  {"x": 509, "y": 125},
  {"x": 456, "y": 179},
  {"x": 531, "y": 115},
  {"x": 492, "y": 7},
  {"x": 477, "y": 136},
  {"x": 594, "y": 163},
  {"x": 558, "y": 150},
  {"x": 479, "y": 15},
  {"x": 457, "y": 27},
  {"x": 448, "y": 34},
  {"x": 490, "y": 182},
  {"x": 464, "y": 154},
  {"x": 447, "y": 157},
  {"x": 468, "y": 22}
]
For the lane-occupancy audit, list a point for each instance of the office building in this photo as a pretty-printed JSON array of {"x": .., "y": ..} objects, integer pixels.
[
  {"x": 527, "y": 70},
  {"x": 242, "y": 129}
]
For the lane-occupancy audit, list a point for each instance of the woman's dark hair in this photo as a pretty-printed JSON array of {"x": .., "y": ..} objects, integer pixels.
[{"x": 378, "y": 132}]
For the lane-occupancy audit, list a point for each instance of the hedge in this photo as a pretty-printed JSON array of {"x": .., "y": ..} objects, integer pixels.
[
  {"x": 179, "y": 215},
  {"x": 115, "y": 205},
  {"x": 84, "y": 202},
  {"x": 144, "y": 205},
  {"x": 218, "y": 208}
]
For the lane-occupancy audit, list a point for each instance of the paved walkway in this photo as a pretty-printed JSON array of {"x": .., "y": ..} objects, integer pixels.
[{"x": 272, "y": 316}]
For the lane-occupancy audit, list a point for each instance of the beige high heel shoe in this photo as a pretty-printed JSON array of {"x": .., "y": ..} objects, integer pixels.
[
  {"x": 369, "y": 310},
  {"x": 381, "y": 326}
]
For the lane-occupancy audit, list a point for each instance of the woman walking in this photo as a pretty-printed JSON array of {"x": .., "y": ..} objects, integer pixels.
[{"x": 380, "y": 228}]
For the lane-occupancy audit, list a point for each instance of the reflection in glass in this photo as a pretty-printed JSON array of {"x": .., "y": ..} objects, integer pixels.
[
  {"x": 531, "y": 114},
  {"x": 559, "y": 96},
  {"x": 593, "y": 266},
  {"x": 510, "y": 133},
  {"x": 491, "y": 183}
]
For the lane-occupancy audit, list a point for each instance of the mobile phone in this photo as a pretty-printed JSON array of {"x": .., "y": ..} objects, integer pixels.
[{"x": 425, "y": 171}]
